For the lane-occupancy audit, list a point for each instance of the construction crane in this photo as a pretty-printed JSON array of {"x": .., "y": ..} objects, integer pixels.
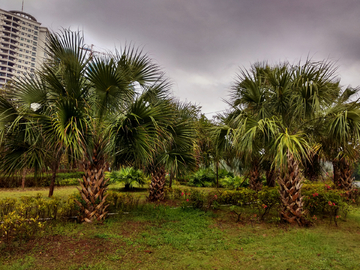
[{"x": 91, "y": 50}]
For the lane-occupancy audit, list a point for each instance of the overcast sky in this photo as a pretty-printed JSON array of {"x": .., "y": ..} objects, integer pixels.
[{"x": 201, "y": 44}]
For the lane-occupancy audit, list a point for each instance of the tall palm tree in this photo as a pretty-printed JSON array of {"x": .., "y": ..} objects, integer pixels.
[
  {"x": 21, "y": 144},
  {"x": 289, "y": 150},
  {"x": 85, "y": 105},
  {"x": 339, "y": 136},
  {"x": 174, "y": 150},
  {"x": 272, "y": 108}
]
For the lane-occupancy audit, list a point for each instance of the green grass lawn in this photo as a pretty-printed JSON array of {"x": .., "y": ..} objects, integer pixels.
[
  {"x": 63, "y": 191},
  {"x": 159, "y": 237}
]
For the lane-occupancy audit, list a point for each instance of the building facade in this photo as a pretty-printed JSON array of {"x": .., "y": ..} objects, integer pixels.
[{"x": 22, "y": 45}]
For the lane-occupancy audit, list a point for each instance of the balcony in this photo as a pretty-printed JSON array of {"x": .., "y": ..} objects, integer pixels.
[{"x": 5, "y": 39}]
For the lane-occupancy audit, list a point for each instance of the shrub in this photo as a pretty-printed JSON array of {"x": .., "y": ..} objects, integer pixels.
[
  {"x": 235, "y": 182},
  {"x": 325, "y": 200},
  {"x": 222, "y": 173},
  {"x": 121, "y": 202},
  {"x": 68, "y": 182},
  {"x": 263, "y": 201},
  {"x": 129, "y": 176},
  {"x": 202, "y": 178},
  {"x": 15, "y": 225}
]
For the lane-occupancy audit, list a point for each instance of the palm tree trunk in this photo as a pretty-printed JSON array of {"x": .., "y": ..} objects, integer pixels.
[
  {"x": 312, "y": 168},
  {"x": 23, "y": 178},
  {"x": 54, "y": 169},
  {"x": 171, "y": 179},
  {"x": 93, "y": 187},
  {"x": 255, "y": 180},
  {"x": 271, "y": 177},
  {"x": 157, "y": 184},
  {"x": 217, "y": 173},
  {"x": 336, "y": 171},
  {"x": 290, "y": 194},
  {"x": 344, "y": 179}
]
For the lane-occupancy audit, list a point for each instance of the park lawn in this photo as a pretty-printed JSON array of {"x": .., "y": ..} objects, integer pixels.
[
  {"x": 65, "y": 191},
  {"x": 159, "y": 237},
  {"x": 62, "y": 191},
  {"x": 17, "y": 193}
]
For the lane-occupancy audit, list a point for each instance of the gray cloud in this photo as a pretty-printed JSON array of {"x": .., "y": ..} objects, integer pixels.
[{"x": 202, "y": 43}]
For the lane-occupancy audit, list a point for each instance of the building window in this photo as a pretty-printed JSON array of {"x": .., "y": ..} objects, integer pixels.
[
  {"x": 35, "y": 43},
  {"x": 35, "y": 38},
  {"x": 33, "y": 59}
]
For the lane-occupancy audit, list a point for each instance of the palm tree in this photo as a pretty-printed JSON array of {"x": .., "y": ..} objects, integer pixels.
[
  {"x": 91, "y": 107},
  {"x": 174, "y": 150},
  {"x": 21, "y": 144},
  {"x": 339, "y": 136},
  {"x": 272, "y": 109}
]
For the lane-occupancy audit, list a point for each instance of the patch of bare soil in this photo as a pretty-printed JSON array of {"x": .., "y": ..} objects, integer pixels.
[
  {"x": 87, "y": 248},
  {"x": 61, "y": 251}
]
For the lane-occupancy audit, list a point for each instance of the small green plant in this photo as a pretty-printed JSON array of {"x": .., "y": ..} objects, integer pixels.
[
  {"x": 15, "y": 225},
  {"x": 129, "y": 176},
  {"x": 202, "y": 178},
  {"x": 234, "y": 182}
]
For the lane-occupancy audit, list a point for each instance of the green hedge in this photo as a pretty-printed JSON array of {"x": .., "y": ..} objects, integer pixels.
[{"x": 319, "y": 199}]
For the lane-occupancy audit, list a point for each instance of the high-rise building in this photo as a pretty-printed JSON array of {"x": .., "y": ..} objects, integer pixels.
[{"x": 22, "y": 43}]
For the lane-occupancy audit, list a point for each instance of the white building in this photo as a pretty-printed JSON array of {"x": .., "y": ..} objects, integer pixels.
[{"x": 22, "y": 43}]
